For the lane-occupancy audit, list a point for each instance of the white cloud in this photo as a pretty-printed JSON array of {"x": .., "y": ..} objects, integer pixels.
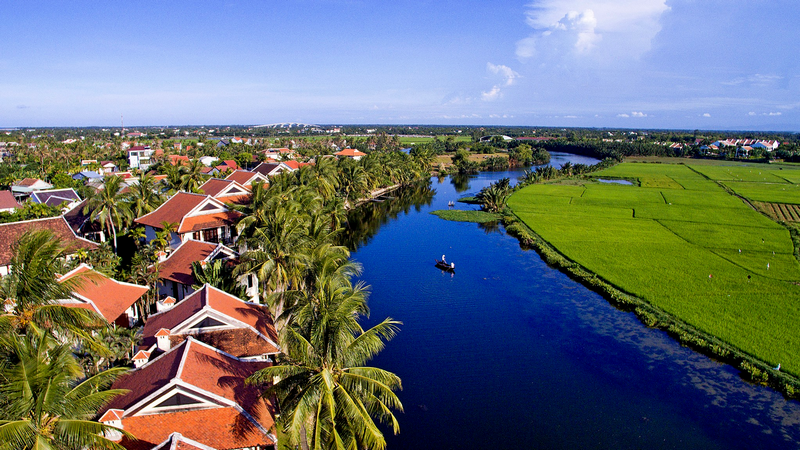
[
  {"x": 508, "y": 78},
  {"x": 622, "y": 115},
  {"x": 605, "y": 28},
  {"x": 638, "y": 114},
  {"x": 756, "y": 80},
  {"x": 706, "y": 115},
  {"x": 508, "y": 75},
  {"x": 751, "y": 113},
  {"x": 775, "y": 113},
  {"x": 493, "y": 94}
]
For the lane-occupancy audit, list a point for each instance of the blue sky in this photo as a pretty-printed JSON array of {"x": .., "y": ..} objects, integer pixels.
[{"x": 708, "y": 64}]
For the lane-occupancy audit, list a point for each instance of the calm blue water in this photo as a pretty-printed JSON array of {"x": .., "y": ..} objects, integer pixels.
[
  {"x": 626, "y": 182},
  {"x": 510, "y": 353}
]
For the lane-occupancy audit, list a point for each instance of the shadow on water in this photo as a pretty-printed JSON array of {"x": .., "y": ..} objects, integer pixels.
[
  {"x": 511, "y": 353},
  {"x": 365, "y": 221},
  {"x": 460, "y": 182}
]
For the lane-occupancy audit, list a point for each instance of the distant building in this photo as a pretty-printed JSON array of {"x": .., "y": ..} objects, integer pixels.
[
  {"x": 24, "y": 188},
  {"x": 350, "y": 153},
  {"x": 57, "y": 197},
  {"x": 139, "y": 157},
  {"x": 8, "y": 203}
]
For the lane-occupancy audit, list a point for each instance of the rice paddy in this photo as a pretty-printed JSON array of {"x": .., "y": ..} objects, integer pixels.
[{"x": 681, "y": 241}]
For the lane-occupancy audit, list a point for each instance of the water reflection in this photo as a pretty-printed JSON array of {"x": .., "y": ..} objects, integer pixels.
[
  {"x": 516, "y": 353},
  {"x": 460, "y": 181},
  {"x": 364, "y": 221}
]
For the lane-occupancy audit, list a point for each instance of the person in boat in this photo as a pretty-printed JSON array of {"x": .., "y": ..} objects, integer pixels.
[{"x": 443, "y": 261}]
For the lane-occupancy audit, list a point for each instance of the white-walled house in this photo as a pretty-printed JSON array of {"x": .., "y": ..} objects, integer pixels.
[{"x": 195, "y": 216}]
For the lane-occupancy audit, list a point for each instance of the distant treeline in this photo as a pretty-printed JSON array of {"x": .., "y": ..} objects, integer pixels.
[{"x": 614, "y": 150}]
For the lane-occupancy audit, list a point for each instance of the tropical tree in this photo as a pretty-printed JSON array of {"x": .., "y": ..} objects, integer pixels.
[
  {"x": 108, "y": 207},
  {"x": 193, "y": 177},
  {"x": 494, "y": 197},
  {"x": 144, "y": 197},
  {"x": 218, "y": 274},
  {"x": 43, "y": 402},
  {"x": 31, "y": 291},
  {"x": 328, "y": 397}
]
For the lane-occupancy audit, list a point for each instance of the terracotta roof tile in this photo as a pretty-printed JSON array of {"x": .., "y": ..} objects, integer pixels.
[
  {"x": 173, "y": 210},
  {"x": 244, "y": 177},
  {"x": 197, "y": 223},
  {"x": 111, "y": 297},
  {"x": 247, "y": 343},
  {"x": 214, "y": 186},
  {"x": 177, "y": 441},
  {"x": 220, "y": 428},
  {"x": 27, "y": 182},
  {"x": 178, "y": 266},
  {"x": 11, "y": 232},
  {"x": 205, "y": 368},
  {"x": 7, "y": 200},
  {"x": 111, "y": 414},
  {"x": 350, "y": 152}
]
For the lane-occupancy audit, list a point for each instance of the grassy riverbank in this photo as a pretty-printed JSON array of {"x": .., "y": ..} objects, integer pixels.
[
  {"x": 683, "y": 242},
  {"x": 458, "y": 215}
]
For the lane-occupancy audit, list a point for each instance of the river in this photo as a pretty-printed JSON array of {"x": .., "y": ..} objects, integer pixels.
[{"x": 509, "y": 353}]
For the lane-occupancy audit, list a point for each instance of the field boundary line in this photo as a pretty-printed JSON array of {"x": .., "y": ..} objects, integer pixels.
[{"x": 750, "y": 368}]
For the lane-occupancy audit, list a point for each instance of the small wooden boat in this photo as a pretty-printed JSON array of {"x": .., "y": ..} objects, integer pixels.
[{"x": 444, "y": 266}]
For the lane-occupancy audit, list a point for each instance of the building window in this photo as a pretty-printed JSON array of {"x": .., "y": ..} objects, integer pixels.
[{"x": 211, "y": 235}]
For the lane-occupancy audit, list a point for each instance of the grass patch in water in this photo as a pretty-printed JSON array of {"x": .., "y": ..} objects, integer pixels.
[{"x": 458, "y": 215}]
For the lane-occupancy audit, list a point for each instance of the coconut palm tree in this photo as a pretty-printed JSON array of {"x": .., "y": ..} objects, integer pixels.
[
  {"x": 31, "y": 291},
  {"x": 193, "y": 177},
  {"x": 108, "y": 207},
  {"x": 328, "y": 397},
  {"x": 43, "y": 402},
  {"x": 218, "y": 274},
  {"x": 144, "y": 196}
]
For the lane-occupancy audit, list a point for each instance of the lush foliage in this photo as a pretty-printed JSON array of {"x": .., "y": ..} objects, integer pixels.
[
  {"x": 458, "y": 215},
  {"x": 684, "y": 244},
  {"x": 44, "y": 400}
]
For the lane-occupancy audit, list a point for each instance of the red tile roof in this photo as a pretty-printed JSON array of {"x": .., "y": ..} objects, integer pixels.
[
  {"x": 110, "y": 297},
  {"x": 7, "y": 200},
  {"x": 219, "y": 428},
  {"x": 111, "y": 414},
  {"x": 11, "y": 232},
  {"x": 177, "y": 441},
  {"x": 27, "y": 182},
  {"x": 257, "y": 335},
  {"x": 178, "y": 266},
  {"x": 295, "y": 164},
  {"x": 350, "y": 152},
  {"x": 243, "y": 177},
  {"x": 176, "y": 208},
  {"x": 173, "y": 210},
  {"x": 197, "y": 367},
  {"x": 214, "y": 186},
  {"x": 206, "y": 221}
]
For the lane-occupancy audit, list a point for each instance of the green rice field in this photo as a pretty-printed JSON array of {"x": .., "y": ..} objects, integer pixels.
[{"x": 680, "y": 240}]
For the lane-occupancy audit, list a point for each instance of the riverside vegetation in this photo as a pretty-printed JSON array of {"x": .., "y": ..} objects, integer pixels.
[{"x": 683, "y": 248}]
